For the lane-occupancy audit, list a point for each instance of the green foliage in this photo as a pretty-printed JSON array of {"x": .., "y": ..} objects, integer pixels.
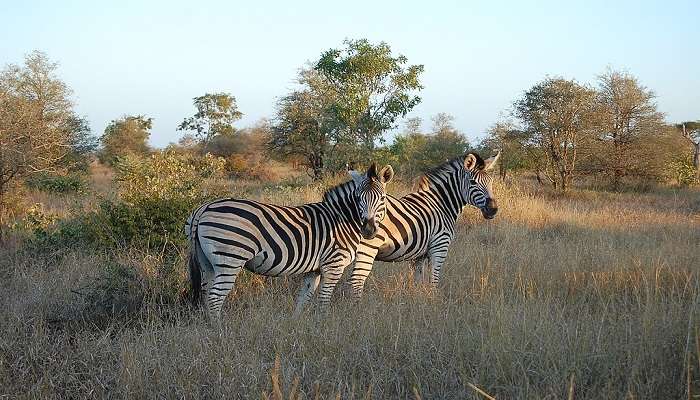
[
  {"x": 344, "y": 105},
  {"x": 216, "y": 113},
  {"x": 49, "y": 233},
  {"x": 61, "y": 184},
  {"x": 556, "y": 114},
  {"x": 156, "y": 194},
  {"x": 305, "y": 126},
  {"x": 82, "y": 145},
  {"x": 165, "y": 176},
  {"x": 38, "y": 221},
  {"x": 683, "y": 171},
  {"x": 373, "y": 88},
  {"x": 414, "y": 152},
  {"x": 518, "y": 152},
  {"x": 125, "y": 136}
]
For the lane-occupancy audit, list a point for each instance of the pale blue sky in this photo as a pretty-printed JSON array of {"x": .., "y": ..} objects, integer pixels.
[{"x": 152, "y": 57}]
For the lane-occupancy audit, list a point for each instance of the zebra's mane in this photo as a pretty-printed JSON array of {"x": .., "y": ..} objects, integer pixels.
[
  {"x": 446, "y": 167},
  {"x": 339, "y": 191}
]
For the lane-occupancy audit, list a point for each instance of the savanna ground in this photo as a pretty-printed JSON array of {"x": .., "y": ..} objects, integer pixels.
[{"x": 587, "y": 296}]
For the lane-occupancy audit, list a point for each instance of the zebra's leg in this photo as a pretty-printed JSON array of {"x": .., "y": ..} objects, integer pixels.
[
  {"x": 419, "y": 270},
  {"x": 207, "y": 271},
  {"x": 225, "y": 275},
  {"x": 307, "y": 291},
  {"x": 437, "y": 255},
  {"x": 331, "y": 272},
  {"x": 361, "y": 269}
]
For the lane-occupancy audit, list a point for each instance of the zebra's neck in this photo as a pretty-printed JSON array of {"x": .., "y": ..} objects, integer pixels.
[
  {"x": 341, "y": 201},
  {"x": 444, "y": 185}
]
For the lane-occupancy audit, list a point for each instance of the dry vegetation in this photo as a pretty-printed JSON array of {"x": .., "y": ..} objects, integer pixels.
[{"x": 594, "y": 293}]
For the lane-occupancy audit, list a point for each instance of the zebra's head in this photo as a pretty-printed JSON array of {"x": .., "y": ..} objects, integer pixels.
[
  {"x": 370, "y": 197},
  {"x": 477, "y": 183}
]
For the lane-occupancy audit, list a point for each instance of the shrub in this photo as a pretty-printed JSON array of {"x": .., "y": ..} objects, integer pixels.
[
  {"x": 253, "y": 167},
  {"x": 683, "y": 171},
  {"x": 39, "y": 222},
  {"x": 166, "y": 176},
  {"x": 132, "y": 278},
  {"x": 117, "y": 289},
  {"x": 61, "y": 184},
  {"x": 156, "y": 195}
]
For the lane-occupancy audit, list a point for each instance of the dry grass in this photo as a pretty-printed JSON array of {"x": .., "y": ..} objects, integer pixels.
[{"x": 589, "y": 296}]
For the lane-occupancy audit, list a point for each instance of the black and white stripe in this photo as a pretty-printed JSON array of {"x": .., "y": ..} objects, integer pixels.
[
  {"x": 316, "y": 240},
  {"x": 420, "y": 226}
]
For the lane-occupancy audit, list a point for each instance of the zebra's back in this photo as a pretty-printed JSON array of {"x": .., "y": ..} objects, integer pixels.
[{"x": 273, "y": 240}]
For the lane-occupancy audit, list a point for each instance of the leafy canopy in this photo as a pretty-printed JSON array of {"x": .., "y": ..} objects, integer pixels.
[
  {"x": 216, "y": 113},
  {"x": 125, "y": 136},
  {"x": 373, "y": 88}
]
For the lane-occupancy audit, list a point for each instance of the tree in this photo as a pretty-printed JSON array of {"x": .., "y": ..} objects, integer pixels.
[
  {"x": 556, "y": 115},
  {"x": 35, "y": 110},
  {"x": 416, "y": 152},
  {"x": 446, "y": 141},
  {"x": 304, "y": 125},
  {"x": 82, "y": 144},
  {"x": 627, "y": 123},
  {"x": 372, "y": 89},
  {"x": 216, "y": 113},
  {"x": 691, "y": 131},
  {"x": 517, "y": 151},
  {"x": 36, "y": 81},
  {"x": 125, "y": 136},
  {"x": 408, "y": 149}
]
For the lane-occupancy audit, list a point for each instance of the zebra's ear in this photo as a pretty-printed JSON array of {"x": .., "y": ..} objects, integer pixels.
[
  {"x": 491, "y": 161},
  {"x": 372, "y": 171},
  {"x": 470, "y": 161},
  {"x": 386, "y": 174}
]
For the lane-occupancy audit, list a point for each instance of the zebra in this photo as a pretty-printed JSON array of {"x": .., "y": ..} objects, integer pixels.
[
  {"x": 317, "y": 240},
  {"x": 420, "y": 225}
]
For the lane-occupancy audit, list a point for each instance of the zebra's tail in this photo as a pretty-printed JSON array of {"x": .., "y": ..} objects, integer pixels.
[
  {"x": 195, "y": 270},
  {"x": 195, "y": 275}
]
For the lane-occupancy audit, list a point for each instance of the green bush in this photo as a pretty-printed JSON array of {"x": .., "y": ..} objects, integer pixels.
[
  {"x": 156, "y": 195},
  {"x": 48, "y": 232},
  {"x": 148, "y": 223},
  {"x": 683, "y": 171},
  {"x": 38, "y": 222},
  {"x": 71, "y": 183}
]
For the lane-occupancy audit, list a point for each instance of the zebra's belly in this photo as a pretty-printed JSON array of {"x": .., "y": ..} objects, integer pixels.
[
  {"x": 267, "y": 263},
  {"x": 394, "y": 253}
]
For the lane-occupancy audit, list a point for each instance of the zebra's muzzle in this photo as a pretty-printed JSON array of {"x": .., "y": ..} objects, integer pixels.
[
  {"x": 490, "y": 210},
  {"x": 369, "y": 229}
]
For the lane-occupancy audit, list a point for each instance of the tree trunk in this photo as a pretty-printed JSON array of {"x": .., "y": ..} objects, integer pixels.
[
  {"x": 316, "y": 162},
  {"x": 564, "y": 179},
  {"x": 696, "y": 159}
]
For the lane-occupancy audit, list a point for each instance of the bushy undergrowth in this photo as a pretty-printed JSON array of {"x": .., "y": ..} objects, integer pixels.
[
  {"x": 62, "y": 184},
  {"x": 156, "y": 195},
  {"x": 594, "y": 293},
  {"x": 145, "y": 219}
]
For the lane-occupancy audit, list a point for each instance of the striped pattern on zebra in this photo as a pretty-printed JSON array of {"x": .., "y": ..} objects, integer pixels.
[
  {"x": 420, "y": 226},
  {"x": 316, "y": 240}
]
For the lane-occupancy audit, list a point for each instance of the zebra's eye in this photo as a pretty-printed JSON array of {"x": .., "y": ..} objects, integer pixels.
[{"x": 472, "y": 182}]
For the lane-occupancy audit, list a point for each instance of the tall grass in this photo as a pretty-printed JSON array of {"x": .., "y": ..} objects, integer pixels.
[{"x": 589, "y": 296}]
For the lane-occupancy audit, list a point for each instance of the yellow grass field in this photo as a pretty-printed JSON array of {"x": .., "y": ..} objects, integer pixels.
[{"x": 589, "y": 296}]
